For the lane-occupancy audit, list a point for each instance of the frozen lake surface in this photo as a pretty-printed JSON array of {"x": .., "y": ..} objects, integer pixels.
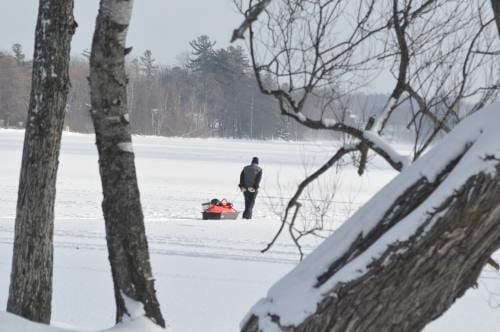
[{"x": 208, "y": 273}]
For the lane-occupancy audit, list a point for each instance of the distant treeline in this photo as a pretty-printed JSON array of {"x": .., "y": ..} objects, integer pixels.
[{"x": 212, "y": 94}]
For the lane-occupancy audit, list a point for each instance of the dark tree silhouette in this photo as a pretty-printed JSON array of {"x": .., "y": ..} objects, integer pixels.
[
  {"x": 30, "y": 292},
  {"x": 125, "y": 232}
]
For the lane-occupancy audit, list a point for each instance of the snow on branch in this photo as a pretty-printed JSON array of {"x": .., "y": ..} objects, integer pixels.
[
  {"x": 328, "y": 122},
  {"x": 301, "y": 117},
  {"x": 384, "y": 117},
  {"x": 372, "y": 140},
  {"x": 378, "y": 143}
]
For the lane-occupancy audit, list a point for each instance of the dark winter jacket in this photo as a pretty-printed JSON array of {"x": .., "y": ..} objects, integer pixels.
[{"x": 250, "y": 176}]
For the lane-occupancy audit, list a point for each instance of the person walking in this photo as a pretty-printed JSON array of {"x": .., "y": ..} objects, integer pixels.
[{"x": 249, "y": 185}]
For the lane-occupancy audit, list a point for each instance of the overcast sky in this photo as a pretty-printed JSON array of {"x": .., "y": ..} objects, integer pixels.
[{"x": 163, "y": 26}]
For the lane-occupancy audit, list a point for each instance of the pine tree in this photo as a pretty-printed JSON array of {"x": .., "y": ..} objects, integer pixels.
[
  {"x": 147, "y": 65},
  {"x": 203, "y": 50},
  {"x": 17, "y": 49}
]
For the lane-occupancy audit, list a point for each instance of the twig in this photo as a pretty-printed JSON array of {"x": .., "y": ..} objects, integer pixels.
[
  {"x": 294, "y": 200},
  {"x": 493, "y": 263}
]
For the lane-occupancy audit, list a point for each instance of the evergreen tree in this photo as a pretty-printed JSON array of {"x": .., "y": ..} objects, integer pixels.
[
  {"x": 17, "y": 49},
  {"x": 203, "y": 51},
  {"x": 231, "y": 68},
  {"x": 147, "y": 64},
  {"x": 14, "y": 91},
  {"x": 232, "y": 62}
]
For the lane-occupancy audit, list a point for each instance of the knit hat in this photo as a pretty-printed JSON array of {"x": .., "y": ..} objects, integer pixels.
[{"x": 255, "y": 160}]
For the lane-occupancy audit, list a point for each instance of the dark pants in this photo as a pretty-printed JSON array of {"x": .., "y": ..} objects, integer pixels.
[{"x": 249, "y": 203}]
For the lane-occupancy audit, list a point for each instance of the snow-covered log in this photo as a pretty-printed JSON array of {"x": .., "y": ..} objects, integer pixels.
[
  {"x": 404, "y": 258},
  {"x": 126, "y": 237},
  {"x": 30, "y": 292}
]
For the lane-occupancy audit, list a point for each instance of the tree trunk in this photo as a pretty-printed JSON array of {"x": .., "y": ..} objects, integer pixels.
[
  {"x": 30, "y": 292},
  {"x": 415, "y": 281},
  {"x": 125, "y": 233}
]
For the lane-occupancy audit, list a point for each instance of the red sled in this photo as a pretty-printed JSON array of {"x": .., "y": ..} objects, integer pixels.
[{"x": 215, "y": 210}]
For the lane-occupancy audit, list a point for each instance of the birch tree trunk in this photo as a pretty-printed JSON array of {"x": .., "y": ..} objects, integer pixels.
[
  {"x": 30, "y": 292},
  {"x": 125, "y": 232}
]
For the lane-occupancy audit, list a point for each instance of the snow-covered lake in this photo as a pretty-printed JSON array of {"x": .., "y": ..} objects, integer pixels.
[{"x": 208, "y": 273}]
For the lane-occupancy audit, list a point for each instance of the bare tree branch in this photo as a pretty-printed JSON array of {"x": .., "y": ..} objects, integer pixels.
[
  {"x": 294, "y": 201},
  {"x": 326, "y": 50},
  {"x": 250, "y": 16}
]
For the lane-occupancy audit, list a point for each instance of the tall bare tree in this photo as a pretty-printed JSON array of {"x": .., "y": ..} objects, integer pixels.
[
  {"x": 125, "y": 232},
  {"x": 364, "y": 278},
  {"x": 327, "y": 50},
  {"x": 30, "y": 292}
]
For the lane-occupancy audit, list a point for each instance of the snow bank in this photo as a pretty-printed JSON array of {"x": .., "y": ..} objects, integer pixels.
[
  {"x": 13, "y": 323},
  {"x": 295, "y": 297},
  {"x": 134, "y": 322}
]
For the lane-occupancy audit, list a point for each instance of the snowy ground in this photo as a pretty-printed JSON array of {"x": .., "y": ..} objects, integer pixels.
[{"x": 208, "y": 273}]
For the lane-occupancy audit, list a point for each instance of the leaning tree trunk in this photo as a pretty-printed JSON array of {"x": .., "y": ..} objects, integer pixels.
[
  {"x": 414, "y": 281},
  {"x": 125, "y": 233},
  {"x": 30, "y": 292},
  {"x": 432, "y": 234},
  {"x": 428, "y": 244}
]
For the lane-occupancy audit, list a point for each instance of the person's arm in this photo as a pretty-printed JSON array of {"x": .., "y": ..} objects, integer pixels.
[
  {"x": 241, "y": 180},
  {"x": 257, "y": 179}
]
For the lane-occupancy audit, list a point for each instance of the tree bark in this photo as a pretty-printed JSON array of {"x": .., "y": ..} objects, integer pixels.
[
  {"x": 416, "y": 278},
  {"x": 125, "y": 232},
  {"x": 415, "y": 281},
  {"x": 30, "y": 292}
]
